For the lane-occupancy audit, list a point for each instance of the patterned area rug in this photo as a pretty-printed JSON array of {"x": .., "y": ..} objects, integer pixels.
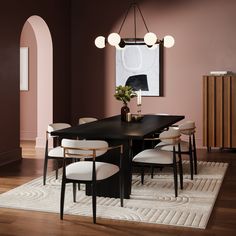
[{"x": 153, "y": 202}]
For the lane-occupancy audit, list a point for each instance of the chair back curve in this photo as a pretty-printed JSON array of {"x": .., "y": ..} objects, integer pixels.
[
  {"x": 187, "y": 128},
  {"x": 171, "y": 136},
  {"x": 56, "y": 126},
  {"x": 84, "y": 120},
  {"x": 84, "y": 148}
]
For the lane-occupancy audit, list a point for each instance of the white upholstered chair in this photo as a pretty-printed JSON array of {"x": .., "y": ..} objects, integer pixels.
[
  {"x": 187, "y": 147},
  {"x": 56, "y": 152},
  {"x": 159, "y": 158},
  {"x": 84, "y": 120},
  {"x": 87, "y": 170}
]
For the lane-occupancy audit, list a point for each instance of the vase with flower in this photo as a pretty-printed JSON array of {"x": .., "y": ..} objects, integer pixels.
[{"x": 124, "y": 94}]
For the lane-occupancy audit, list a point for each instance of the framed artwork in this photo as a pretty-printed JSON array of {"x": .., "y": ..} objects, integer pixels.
[
  {"x": 140, "y": 67},
  {"x": 24, "y": 68}
]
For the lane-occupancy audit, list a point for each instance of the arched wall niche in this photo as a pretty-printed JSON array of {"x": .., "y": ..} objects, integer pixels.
[{"x": 41, "y": 80}]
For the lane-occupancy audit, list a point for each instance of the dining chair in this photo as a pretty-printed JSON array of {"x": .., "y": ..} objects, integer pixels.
[
  {"x": 88, "y": 169},
  {"x": 55, "y": 153},
  {"x": 84, "y": 120},
  {"x": 187, "y": 147},
  {"x": 159, "y": 158}
]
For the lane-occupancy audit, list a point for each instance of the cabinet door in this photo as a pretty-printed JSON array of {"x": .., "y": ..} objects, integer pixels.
[
  {"x": 227, "y": 112},
  {"x": 219, "y": 95},
  {"x": 209, "y": 111},
  {"x": 219, "y": 111},
  {"x": 205, "y": 112},
  {"x": 233, "y": 112}
]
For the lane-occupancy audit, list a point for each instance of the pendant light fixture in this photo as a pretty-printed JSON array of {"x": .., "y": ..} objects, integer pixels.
[{"x": 150, "y": 38}]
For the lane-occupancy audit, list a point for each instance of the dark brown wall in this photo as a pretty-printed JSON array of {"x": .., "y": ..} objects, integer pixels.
[
  {"x": 89, "y": 20},
  {"x": 13, "y": 14}
]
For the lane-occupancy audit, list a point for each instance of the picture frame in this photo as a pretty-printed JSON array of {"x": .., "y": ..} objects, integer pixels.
[
  {"x": 141, "y": 67},
  {"x": 24, "y": 68}
]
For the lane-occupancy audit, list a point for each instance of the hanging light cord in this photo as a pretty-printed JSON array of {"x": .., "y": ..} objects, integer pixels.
[
  {"x": 126, "y": 14},
  {"x": 142, "y": 18},
  {"x": 134, "y": 5},
  {"x": 134, "y": 24}
]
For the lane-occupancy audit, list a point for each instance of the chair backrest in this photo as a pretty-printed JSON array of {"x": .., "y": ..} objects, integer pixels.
[
  {"x": 84, "y": 120},
  {"x": 84, "y": 148},
  {"x": 53, "y": 127},
  {"x": 57, "y": 126},
  {"x": 162, "y": 114},
  {"x": 171, "y": 136},
  {"x": 187, "y": 128}
]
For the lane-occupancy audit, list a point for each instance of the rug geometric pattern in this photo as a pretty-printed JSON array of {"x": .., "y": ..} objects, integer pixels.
[{"x": 153, "y": 202}]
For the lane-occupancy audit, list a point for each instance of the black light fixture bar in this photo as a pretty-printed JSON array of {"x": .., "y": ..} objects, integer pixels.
[{"x": 150, "y": 39}]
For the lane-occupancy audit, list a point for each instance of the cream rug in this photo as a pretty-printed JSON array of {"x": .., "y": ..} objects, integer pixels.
[{"x": 153, "y": 202}]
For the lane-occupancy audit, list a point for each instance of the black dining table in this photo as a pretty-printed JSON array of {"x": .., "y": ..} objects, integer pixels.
[{"x": 115, "y": 131}]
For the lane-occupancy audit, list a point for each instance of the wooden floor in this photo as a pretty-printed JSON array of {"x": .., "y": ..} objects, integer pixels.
[{"x": 18, "y": 222}]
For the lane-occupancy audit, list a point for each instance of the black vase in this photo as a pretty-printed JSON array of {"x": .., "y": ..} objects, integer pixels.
[{"x": 123, "y": 112}]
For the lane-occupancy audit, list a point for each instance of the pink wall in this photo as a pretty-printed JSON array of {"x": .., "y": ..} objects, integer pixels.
[
  {"x": 44, "y": 77},
  {"x": 204, "y": 33},
  {"x": 28, "y": 99},
  {"x": 36, "y": 104}
]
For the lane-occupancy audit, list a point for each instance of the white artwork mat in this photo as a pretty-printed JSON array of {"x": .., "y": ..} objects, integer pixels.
[{"x": 138, "y": 62}]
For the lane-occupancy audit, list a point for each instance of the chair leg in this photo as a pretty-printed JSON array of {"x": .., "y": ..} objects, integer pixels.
[
  {"x": 175, "y": 179},
  {"x": 175, "y": 172},
  {"x": 191, "y": 157},
  {"x": 181, "y": 172},
  {"x": 94, "y": 203},
  {"x": 194, "y": 155},
  {"x": 74, "y": 192},
  {"x": 195, "y": 161},
  {"x": 152, "y": 171},
  {"x": 142, "y": 174},
  {"x": 63, "y": 188},
  {"x": 57, "y": 166},
  {"x": 45, "y": 169},
  {"x": 121, "y": 190}
]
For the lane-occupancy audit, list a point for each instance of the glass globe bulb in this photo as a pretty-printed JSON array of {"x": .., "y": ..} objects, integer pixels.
[
  {"x": 169, "y": 41},
  {"x": 114, "y": 39},
  {"x": 100, "y": 42},
  {"x": 150, "y": 38}
]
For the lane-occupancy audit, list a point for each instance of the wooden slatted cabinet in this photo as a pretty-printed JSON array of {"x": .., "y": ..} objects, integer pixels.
[{"x": 219, "y": 111}]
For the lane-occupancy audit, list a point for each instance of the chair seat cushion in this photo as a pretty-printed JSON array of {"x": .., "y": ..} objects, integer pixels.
[
  {"x": 56, "y": 152},
  {"x": 82, "y": 170},
  {"x": 154, "y": 156},
  {"x": 184, "y": 145}
]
